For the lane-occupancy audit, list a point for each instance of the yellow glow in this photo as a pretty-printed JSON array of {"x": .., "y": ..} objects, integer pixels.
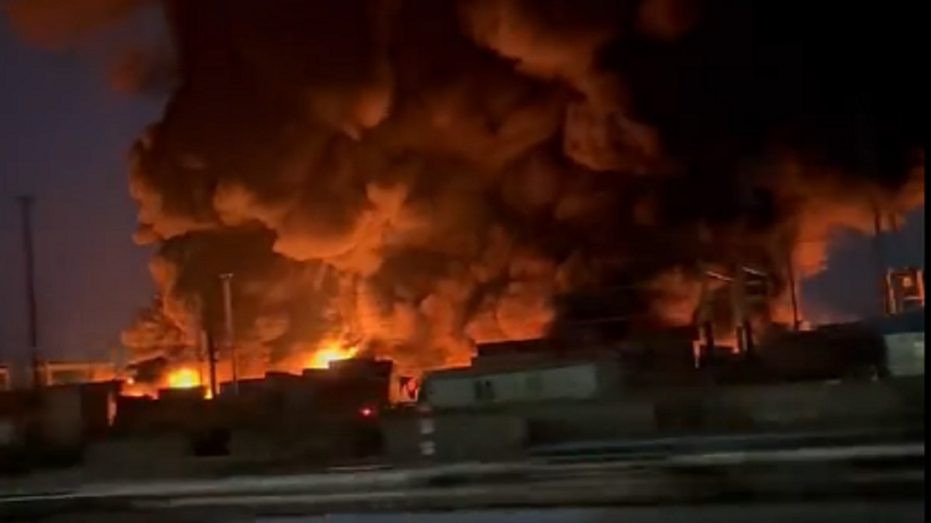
[
  {"x": 183, "y": 379},
  {"x": 327, "y": 355},
  {"x": 134, "y": 391}
]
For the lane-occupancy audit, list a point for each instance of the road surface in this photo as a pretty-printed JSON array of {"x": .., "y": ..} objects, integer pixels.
[{"x": 851, "y": 512}]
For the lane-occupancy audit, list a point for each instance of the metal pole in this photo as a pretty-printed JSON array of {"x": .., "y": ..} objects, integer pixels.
[
  {"x": 868, "y": 165},
  {"x": 790, "y": 274},
  {"x": 880, "y": 254},
  {"x": 200, "y": 351},
  {"x": 211, "y": 361},
  {"x": 194, "y": 328},
  {"x": 706, "y": 342},
  {"x": 739, "y": 307},
  {"x": 894, "y": 222},
  {"x": 226, "y": 279},
  {"x": 26, "y": 203}
]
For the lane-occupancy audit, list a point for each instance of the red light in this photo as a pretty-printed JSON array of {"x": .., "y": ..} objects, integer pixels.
[{"x": 366, "y": 412}]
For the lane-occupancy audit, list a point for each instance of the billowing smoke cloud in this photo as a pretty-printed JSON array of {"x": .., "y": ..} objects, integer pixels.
[
  {"x": 62, "y": 23},
  {"x": 421, "y": 175},
  {"x": 120, "y": 32}
]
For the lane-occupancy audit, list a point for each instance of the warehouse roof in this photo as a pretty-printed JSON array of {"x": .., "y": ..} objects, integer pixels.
[{"x": 506, "y": 366}]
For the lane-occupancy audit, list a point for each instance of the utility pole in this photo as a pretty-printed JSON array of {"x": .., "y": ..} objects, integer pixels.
[
  {"x": 793, "y": 292},
  {"x": 195, "y": 329},
  {"x": 879, "y": 251},
  {"x": 226, "y": 279},
  {"x": 207, "y": 341},
  {"x": 739, "y": 306},
  {"x": 704, "y": 319},
  {"x": 869, "y": 166},
  {"x": 26, "y": 202}
]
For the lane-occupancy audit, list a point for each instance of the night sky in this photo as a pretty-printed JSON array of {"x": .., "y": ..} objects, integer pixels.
[{"x": 63, "y": 137}]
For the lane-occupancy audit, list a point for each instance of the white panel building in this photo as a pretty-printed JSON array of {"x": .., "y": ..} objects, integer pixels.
[{"x": 542, "y": 381}]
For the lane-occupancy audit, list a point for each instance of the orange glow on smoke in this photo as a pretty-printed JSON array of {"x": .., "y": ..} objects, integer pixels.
[
  {"x": 132, "y": 388},
  {"x": 136, "y": 390},
  {"x": 183, "y": 379},
  {"x": 322, "y": 358}
]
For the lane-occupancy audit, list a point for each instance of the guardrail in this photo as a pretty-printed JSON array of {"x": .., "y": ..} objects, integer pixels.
[
  {"x": 664, "y": 447},
  {"x": 824, "y": 454}
]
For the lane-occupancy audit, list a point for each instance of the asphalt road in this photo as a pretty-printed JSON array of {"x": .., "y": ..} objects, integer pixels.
[
  {"x": 796, "y": 513},
  {"x": 851, "y": 512}
]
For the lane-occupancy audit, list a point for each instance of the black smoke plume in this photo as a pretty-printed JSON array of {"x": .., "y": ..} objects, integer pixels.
[{"x": 420, "y": 175}]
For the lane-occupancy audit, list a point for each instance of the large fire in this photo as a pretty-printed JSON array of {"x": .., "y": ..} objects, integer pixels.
[
  {"x": 136, "y": 390},
  {"x": 183, "y": 378},
  {"x": 322, "y": 358},
  {"x": 432, "y": 174},
  {"x": 189, "y": 377}
]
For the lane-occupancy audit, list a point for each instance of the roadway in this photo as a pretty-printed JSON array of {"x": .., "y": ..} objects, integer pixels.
[
  {"x": 846, "y": 512},
  {"x": 469, "y": 492},
  {"x": 814, "y": 513}
]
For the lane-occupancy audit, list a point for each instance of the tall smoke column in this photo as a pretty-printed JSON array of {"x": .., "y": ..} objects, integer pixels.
[{"x": 418, "y": 176}]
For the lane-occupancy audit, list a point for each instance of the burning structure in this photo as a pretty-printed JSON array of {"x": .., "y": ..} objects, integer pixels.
[{"x": 409, "y": 178}]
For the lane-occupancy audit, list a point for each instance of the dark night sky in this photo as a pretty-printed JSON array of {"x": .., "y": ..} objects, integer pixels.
[{"x": 63, "y": 135}]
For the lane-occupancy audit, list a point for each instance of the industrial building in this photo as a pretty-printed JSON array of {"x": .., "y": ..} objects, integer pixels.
[
  {"x": 576, "y": 379},
  {"x": 56, "y": 373},
  {"x": 599, "y": 377},
  {"x": 596, "y": 376}
]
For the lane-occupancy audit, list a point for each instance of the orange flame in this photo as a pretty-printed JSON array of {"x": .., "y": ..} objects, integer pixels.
[
  {"x": 322, "y": 358},
  {"x": 136, "y": 391},
  {"x": 183, "y": 378}
]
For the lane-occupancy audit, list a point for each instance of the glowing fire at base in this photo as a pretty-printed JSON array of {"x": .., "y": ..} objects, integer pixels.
[
  {"x": 327, "y": 355},
  {"x": 183, "y": 379}
]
